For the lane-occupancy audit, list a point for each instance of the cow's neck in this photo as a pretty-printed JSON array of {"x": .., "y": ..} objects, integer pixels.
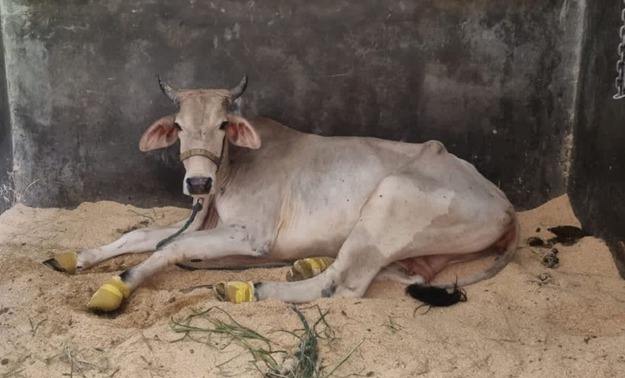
[
  {"x": 211, "y": 216},
  {"x": 224, "y": 173}
]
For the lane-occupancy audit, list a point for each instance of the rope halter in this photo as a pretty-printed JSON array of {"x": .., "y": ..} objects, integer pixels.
[{"x": 206, "y": 153}]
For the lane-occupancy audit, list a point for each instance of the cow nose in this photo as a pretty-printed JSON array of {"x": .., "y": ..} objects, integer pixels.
[{"x": 199, "y": 185}]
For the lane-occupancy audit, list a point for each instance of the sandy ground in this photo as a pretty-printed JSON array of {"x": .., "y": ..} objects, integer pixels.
[{"x": 516, "y": 325}]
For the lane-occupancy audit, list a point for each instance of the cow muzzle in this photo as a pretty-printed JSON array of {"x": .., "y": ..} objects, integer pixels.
[{"x": 199, "y": 185}]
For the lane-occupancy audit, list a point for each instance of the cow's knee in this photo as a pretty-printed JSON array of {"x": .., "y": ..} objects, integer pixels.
[
  {"x": 355, "y": 282},
  {"x": 350, "y": 292}
]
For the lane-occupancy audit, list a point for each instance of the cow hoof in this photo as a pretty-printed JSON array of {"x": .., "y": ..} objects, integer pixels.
[
  {"x": 109, "y": 296},
  {"x": 304, "y": 269},
  {"x": 65, "y": 262},
  {"x": 234, "y": 291}
]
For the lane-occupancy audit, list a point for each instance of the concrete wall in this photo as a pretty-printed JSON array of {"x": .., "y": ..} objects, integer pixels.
[
  {"x": 597, "y": 187},
  {"x": 494, "y": 80}
]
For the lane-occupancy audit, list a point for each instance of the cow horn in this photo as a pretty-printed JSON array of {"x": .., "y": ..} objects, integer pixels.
[
  {"x": 168, "y": 90},
  {"x": 239, "y": 89}
]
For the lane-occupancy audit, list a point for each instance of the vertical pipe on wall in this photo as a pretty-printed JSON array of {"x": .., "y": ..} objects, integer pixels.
[
  {"x": 575, "y": 31},
  {"x": 7, "y": 194}
]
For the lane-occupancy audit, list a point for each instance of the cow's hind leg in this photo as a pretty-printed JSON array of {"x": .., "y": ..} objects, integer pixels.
[
  {"x": 358, "y": 262},
  {"x": 356, "y": 265},
  {"x": 302, "y": 269}
]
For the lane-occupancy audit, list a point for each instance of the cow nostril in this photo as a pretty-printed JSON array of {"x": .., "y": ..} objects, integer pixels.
[
  {"x": 199, "y": 185},
  {"x": 198, "y": 181}
]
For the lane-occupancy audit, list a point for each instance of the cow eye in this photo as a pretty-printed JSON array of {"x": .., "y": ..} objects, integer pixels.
[
  {"x": 177, "y": 126},
  {"x": 223, "y": 125}
]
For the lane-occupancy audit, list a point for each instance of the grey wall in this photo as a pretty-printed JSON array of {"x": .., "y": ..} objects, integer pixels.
[
  {"x": 494, "y": 80},
  {"x": 597, "y": 187}
]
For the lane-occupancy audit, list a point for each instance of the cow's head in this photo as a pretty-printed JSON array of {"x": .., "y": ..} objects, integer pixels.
[{"x": 202, "y": 124}]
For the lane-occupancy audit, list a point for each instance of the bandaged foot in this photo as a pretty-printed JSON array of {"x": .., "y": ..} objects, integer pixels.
[
  {"x": 308, "y": 268},
  {"x": 234, "y": 291},
  {"x": 63, "y": 262},
  {"x": 109, "y": 296}
]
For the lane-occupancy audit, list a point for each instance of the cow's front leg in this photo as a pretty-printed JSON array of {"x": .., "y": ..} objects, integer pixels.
[
  {"x": 141, "y": 240},
  {"x": 208, "y": 244}
]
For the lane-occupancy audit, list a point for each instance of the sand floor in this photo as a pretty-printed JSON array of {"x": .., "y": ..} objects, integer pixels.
[{"x": 570, "y": 323}]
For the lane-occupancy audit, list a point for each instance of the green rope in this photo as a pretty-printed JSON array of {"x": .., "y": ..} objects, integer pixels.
[{"x": 196, "y": 209}]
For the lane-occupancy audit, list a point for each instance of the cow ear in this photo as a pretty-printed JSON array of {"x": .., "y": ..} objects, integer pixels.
[
  {"x": 241, "y": 133},
  {"x": 161, "y": 133}
]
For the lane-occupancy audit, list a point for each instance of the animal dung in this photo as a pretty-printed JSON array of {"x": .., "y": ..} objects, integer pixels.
[
  {"x": 551, "y": 260},
  {"x": 535, "y": 241},
  {"x": 567, "y": 235}
]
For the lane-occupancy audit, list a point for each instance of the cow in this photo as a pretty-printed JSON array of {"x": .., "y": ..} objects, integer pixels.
[{"x": 384, "y": 209}]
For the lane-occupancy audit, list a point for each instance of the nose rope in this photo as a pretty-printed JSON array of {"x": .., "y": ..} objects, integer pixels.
[{"x": 196, "y": 209}]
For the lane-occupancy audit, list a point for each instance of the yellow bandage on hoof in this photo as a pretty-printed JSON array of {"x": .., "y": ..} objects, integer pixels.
[
  {"x": 63, "y": 262},
  {"x": 109, "y": 296},
  {"x": 235, "y": 291},
  {"x": 308, "y": 268}
]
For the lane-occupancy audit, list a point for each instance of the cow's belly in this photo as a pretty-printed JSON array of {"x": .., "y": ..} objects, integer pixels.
[
  {"x": 321, "y": 207},
  {"x": 315, "y": 232}
]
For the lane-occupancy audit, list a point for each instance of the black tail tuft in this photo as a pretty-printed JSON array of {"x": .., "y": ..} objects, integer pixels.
[{"x": 435, "y": 296}]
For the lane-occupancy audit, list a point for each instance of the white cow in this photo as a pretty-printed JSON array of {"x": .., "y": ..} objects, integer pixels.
[{"x": 271, "y": 193}]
